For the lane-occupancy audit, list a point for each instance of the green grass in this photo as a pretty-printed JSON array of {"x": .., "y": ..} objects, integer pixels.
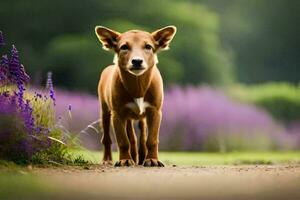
[
  {"x": 202, "y": 158},
  {"x": 196, "y": 158}
]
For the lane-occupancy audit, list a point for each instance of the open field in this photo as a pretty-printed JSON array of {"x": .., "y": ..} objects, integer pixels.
[
  {"x": 187, "y": 176},
  {"x": 203, "y": 158}
]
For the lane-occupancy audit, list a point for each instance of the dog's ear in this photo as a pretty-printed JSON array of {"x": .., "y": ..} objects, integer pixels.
[
  {"x": 107, "y": 37},
  {"x": 163, "y": 37}
]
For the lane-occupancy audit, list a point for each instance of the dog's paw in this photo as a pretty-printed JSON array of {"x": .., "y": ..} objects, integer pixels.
[
  {"x": 153, "y": 163},
  {"x": 107, "y": 162},
  {"x": 124, "y": 163},
  {"x": 141, "y": 162}
]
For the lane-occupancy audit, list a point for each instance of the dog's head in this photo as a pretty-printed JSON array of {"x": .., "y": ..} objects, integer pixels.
[{"x": 136, "y": 51}]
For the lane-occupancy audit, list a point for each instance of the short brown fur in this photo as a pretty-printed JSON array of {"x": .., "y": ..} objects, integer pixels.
[{"x": 123, "y": 85}]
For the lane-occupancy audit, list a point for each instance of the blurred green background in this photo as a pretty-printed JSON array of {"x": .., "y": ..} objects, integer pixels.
[{"x": 218, "y": 42}]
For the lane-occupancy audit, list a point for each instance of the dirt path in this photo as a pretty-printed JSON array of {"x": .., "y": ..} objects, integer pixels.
[{"x": 205, "y": 182}]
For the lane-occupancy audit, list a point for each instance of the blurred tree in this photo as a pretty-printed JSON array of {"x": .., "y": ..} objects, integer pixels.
[
  {"x": 75, "y": 61},
  {"x": 261, "y": 36},
  {"x": 59, "y": 36},
  {"x": 264, "y": 35}
]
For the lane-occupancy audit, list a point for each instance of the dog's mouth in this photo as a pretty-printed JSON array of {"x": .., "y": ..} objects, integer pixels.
[{"x": 137, "y": 70}]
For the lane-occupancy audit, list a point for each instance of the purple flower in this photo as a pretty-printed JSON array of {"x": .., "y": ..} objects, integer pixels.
[
  {"x": 17, "y": 72},
  {"x": 15, "y": 128},
  {"x": 203, "y": 118},
  {"x": 20, "y": 95},
  {"x": 28, "y": 117},
  {"x": 4, "y": 61},
  {"x": 4, "y": 69},
  {"x": 20, "y": 134},
  {"x": 37, "y": 96},
  {"x": 49, "y": 86},
  {"x": 7, "y": 105},
  {"x": 2, "y": 42}
]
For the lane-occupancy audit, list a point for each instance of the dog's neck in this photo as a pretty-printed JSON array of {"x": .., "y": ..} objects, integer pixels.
[{"x": 136, "y": 86}]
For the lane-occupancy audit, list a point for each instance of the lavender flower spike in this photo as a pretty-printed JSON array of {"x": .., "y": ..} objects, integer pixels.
[
  {"x": 4, "y": 69},
  {"x": 70, "y": 111},
  {"x": 17, "y": 72},
  {"x": 4, "y": 61},
  {"x": 2, "y": 42},
  {"x": 49, "y": 86}
]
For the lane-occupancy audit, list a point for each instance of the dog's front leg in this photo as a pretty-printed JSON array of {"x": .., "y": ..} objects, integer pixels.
[
  {"x": 119, "y": 126},
  {"x": 153, "y": 121},
  {"x": 143, "y": 140}
]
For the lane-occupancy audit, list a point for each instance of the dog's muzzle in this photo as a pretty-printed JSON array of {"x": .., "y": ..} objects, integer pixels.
[{"x": 137, "y": 67}]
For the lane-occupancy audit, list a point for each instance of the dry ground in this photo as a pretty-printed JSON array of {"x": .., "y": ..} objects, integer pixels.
[{"x": 171, "y": 182}]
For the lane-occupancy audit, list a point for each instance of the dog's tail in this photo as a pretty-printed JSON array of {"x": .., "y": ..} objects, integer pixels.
[{"x": 93, "y": 127}]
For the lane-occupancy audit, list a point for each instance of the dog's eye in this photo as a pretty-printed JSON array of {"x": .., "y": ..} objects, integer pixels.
[
  {"x": 124, "y": 47},
  {"x": 148, "y": 47}
]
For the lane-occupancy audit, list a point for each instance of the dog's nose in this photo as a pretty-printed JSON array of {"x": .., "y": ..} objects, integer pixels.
[{"x": 137, "y": 63}]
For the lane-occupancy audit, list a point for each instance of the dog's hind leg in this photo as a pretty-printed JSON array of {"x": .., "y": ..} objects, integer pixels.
[
  {"x": 133, "y": 141},
  {"x": 106, "y": 140},
  {"x": 143, "y": 139}
]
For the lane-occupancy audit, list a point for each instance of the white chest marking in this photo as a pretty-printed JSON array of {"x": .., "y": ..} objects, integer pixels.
[{"x": 139, "y": 105}]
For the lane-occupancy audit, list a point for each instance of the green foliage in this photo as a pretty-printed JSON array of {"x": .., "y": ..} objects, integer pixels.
[
  {"x": 282, "y": 100},
  {"x": 263, "y": 36},
  {"x": 75, "y": 61},
  {"x": 212, "y": 34},
  {"x": 56, "y": 39}
]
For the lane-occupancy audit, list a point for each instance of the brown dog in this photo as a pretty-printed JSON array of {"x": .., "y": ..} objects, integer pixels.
[{"x": 132, "y": 89}]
